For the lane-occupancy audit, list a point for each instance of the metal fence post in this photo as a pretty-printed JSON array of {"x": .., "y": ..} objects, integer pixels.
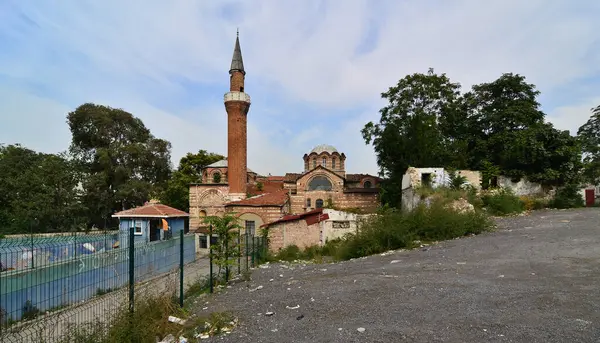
[
  {"x": 227, "y": 257},
  {"x": 252, "y": 251},
  {"x": 181, "y": 269},
  {"x": 246, "y": 236},
  {"x": 210, "y": 259},
  {"x": 131, "y": 268},
  {"x": 239, "y": 252}
]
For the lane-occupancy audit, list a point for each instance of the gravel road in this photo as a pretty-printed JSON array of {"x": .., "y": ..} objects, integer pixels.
[{"x": 535, "y": 279}]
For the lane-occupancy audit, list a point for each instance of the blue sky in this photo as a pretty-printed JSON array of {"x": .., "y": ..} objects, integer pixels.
[{"x": 315, "y": 69}]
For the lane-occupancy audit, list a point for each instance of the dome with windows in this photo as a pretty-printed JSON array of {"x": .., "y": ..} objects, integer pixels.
[{"x": 324, "y": 148}]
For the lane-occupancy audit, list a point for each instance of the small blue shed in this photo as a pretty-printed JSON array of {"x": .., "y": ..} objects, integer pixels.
[{"x": 152, "y": 222}]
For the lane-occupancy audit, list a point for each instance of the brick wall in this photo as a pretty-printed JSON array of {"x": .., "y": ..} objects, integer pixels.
[
  {"x": 207, "y": 174},
  {"x": 293, "y": 233},
  {"x": 236, "y": 81},
  {"x": 267, "y": 213}
]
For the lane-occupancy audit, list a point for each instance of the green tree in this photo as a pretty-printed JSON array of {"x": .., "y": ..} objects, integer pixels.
[
  {"x": 38, "y": 192},
  {"x": 411, "y": 130},
  {"x": 176, "y": 194},
  {"x": 589, "y": 138},
  {"x": 225, "y": 251},
  {"x": 506, "y": 128},
  {"x": 122, "y": 162}
]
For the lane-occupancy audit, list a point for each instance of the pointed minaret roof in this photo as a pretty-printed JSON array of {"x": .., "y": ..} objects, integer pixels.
[{"x": 237, "y": 63}]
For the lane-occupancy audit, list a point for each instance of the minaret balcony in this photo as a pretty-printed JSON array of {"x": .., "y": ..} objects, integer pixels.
[{"x": 236, "y": 96}]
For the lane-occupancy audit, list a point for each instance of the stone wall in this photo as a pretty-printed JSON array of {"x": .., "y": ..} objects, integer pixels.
[
  {"x": 268, "y": 214},
  {"x": 293, "y": 233},
  {"x": 206, "y": 200},
  {"x": 522, "y": 187},
  {"x": 338, "y": 225}
]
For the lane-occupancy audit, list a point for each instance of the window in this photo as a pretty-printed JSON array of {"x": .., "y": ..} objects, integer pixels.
[
  {"x": 217, "y": 177},
  {"x": 324, "y": 162},
  {"x": 138, "y": 229},
  {"x": 203, "y": 240},
  {"x": 319, "y": 203},
  {"x": 333, "y": 163},
  {"x": 319, "y": 183},
  {"x": 308, "y": 202},
  {"x": 314, "y": 162},
  {"x": 242, "y": 89},
  {"x": 367, "y": 184},
  {"x": 250, "y": 227}
]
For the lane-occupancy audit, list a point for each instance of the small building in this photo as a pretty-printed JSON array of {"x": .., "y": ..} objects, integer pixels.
[{"x": 152, "y": 222}]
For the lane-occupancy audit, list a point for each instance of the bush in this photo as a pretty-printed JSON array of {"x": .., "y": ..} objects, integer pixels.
[
  {"x": 395, "y": 229},
  {"x": 533, "y": 203},
  {"x": 568, "y": 197},
  {"x": 502, "y": 202}
]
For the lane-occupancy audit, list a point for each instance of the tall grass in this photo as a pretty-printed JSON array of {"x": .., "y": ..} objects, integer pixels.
[{"x": 393, "y": 229}]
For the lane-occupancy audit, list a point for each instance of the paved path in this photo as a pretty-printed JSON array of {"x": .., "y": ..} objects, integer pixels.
[
  {"x": 536, "y": 279},
  {"x": 52, "y": 327}
]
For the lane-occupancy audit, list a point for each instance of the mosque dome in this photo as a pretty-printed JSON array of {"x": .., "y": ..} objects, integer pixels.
[{"x": 324, "y": 148}]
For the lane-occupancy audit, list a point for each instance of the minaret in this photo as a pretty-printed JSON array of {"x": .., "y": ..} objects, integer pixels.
[{"x": 237, "y": 104}]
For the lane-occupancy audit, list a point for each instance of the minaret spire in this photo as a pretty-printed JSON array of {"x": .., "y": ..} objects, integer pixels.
[
  {"x": 237, "y": 63},
  {"x": 237, "y": 104}
]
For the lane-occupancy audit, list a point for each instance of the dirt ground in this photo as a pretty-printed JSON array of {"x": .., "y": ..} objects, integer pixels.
[{"x": 535, "y": 279}]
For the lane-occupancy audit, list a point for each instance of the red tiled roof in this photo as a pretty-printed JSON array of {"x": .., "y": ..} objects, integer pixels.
[
  {"x": 292, "y": 177},
  {"x": 278, "y": 198},
  {"x": 268, "y": 187},
  {"x": 151, "y": 210},
  {"x": 276, "y": 178},
  {"x": 306, "y": 216},
  {"x": 358, "y": 177}
]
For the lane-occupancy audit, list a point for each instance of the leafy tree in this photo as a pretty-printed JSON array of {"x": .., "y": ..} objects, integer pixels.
[
  {"x": 506, "y": 128},
  {"x": 497, "y": 127},
  {"x": 38, "y": 192},
  {"x": 411, "y": 129},
  {"x": 176, "y": 194},
  {"x": 589, "y": 138},
  {"x": 122, "y": 162}
]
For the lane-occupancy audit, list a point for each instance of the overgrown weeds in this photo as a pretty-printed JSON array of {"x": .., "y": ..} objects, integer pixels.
[
  {"x": 502, "y": 201},
  {"x": 393, "y": 229},
  {"x": 145, "y": 324}
]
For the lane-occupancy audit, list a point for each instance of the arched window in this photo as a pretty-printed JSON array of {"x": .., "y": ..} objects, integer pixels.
[
  {"x": 308, "y": 202},
  {"x": 314, "y": 162},
  {"x": 367, "y": 184},
  {"x": 333, "y": 163},
  {"x": 324, "y": 162},
  {"x": 319, "y": 203},
  {"x": 217, "y": 177},
  {"x": 319, "y": 183}
]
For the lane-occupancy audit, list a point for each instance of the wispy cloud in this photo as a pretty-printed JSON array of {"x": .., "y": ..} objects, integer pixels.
[{"x": 315, "y": 68}]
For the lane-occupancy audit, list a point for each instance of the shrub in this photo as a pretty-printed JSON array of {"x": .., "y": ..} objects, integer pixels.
[
  {"x": 502, "y": 202},
  {"x": 533, "y": 203},
  {"x": 568, "y": 197},
  {"x": 289, "y": 253},
  {"x": 396, "y": 229}
]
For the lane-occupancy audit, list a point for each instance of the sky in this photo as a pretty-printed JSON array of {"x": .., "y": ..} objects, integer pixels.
[{"x": 315, "y": 69}]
